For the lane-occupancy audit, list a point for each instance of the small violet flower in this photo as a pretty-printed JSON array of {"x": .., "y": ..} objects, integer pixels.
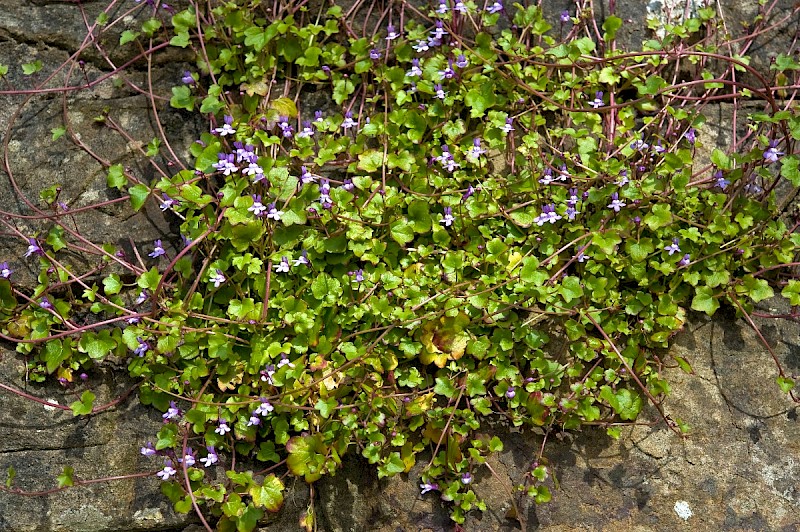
[
  {"x": 306, "y": 176},
  {"x": 223, "y": 428},
  {"x": 254, "y": 420},
  {"x": 257, "y": 207},
  {"x": 45, "y": 303},
  {"x": 415, "y": 71},
  {"x": 428, "y": 486},
  {"x": 616, "y": 203},
  {"x": 511, "y": 393},
  {"x": 264, "y": 408},
  {"x": 639, "y": 144},
  {"x": 217, "y": 278},
  {"x": 141, "y": 298},
  {"x": 598, "y": 100},
  {"x": 421, "y": 46},
  {"x": 307, "y": 131},
  {"x": 212, "y": 457},
  {"x": 142, "y": 349},
  {"x": 226, "y": 128},
  {"x": 469, "y": 192},
  {"x": 187, "y": 78},
  {"x": 225, "y": 163},
  {"x": 33, "y": 248},
  {"x": 564, "y": 17},
  {"x": 461, "y": 61},
  {"x": 442, "y": 9},
  {"x": 283, "y": 265},
  {"x": 5, "y": 271},
  {"x": 508, "y": 127},
  {"x": 374, "y": 54},
  {"x": 448, "y": 218},
  {"x": 448, "y": 73},
  {"x": 173, "y": 412},
  {"x": 685, "y": 260},
  {"x": 357, "y": 275},
  {"x": 158, "y": 250},
  {"x": 771, "y": 154},
  {"x": 168, "y": 202},
  {"x": 149, "y": 450},
  {"x": 674, "y": 247},
  {"x": 721, "y": 182},
  {"x": 274, "y": 213},
  {"x": 475, "y": 151},
  {"x": 690, "y": 135},
  {"x": 547, "y": 178},
  {"x": 348, "y": 121},
  {"x": 460, "y": 7},
  {"x": 548, "y": 215},
  {"x": 392, "y": 34},
  {"x": 496, "y": 7},
  {"x": 466, "y": 478},
  {"x": 440, "y": 93},
  {"x": 167, "y": 472},
  {"x": 188, "y": 458}
]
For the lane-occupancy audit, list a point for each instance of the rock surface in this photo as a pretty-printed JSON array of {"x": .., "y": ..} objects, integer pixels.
[{"x": 736, "y": 469}]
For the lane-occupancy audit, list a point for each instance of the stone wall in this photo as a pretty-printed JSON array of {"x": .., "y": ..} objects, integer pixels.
[{"x": 736, "y": 470}]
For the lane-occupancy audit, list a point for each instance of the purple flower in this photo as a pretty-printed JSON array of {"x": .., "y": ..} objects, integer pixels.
[
  {"x": 33, "y": 248},
  {"x": 623, "y": 178},
  {"x": 226, "y": 128},
  {"x": 307, "y": 131},
  {"x": 5, "y": 271},
  {"x": 374, "y": 54},
  {"x": 460, "y": 7},
  {"x": 187, "y": 78},
  {"x": 188, "y": 458},
  {"x": 598, "y": 100},
  {"x": 223, "y": 428},
  {"x": 461, "y": 61},
  {"x": 428, "y": 486},
  {"x": 547, "y": 178},
  {"x": 254, "y": 420},
  {"x": 225, "y": 163},
  {"x": 440, "y": 93},
  {"x": 149, "y": 450},
  {"x": 565, "y": 17},
  {"x": 283, "y": 265},
  {"x": 466, "y": 478},
  {"x": 306, "y": 176},
  {"x": 496, "y": 7},
  {"x": 438, "y": 31},
  {"x": 358, "y": 275},
  {"x": 257, "y": 207},
  {"x": 141, "y": 298},
  {"x": 470, "y": 191},
  {"x": 548, "y": 215},
  {"x": 582, "y": 257},
  {"x": 173, "y": 412},
  {"x": 142, "y": 348},
  {"x": 511, "y": 393},
  {"x": 448, "y": 73},
  {"x": 772, "y": 153},
  {"x": 186, "y": 241},
  {"x": 508, "y": 127},
  {"x": 616, "y": 203},
  {"x": 690, "y": 135},
  {"x": 573, "y": 197},
  {"x": 685, "y": 260},
  {"x": 674, "y": 247},
  {"x": 167, "y": 472},
  {"x": 448, "y": 218},
  {"x": 639, "y": 144},
  {"x": 318, "y": 116},
  {"x": 721, "y": 182},
  {"x": 264, "y": 408},
  {"x": 158, "y": 250},
  {"x": 475, "y": 151},
  {"x": 392, "y": 34},
  {"x": 253, "y": 169},
  {"x": 274, "y": 213},
  {"x": 347, "y": 184},
  {"x": 415, "y": 71},
  {"x": 45, "y": 303},
  {"x": 168, "y": 202},
  {"x": 348, "y": 121},
  {"x": 217, "y": 278},
  {"x": 285, "y": 359},
  {"x": 421, "y": 46},
  {"x": 442, "y": 9},
  {"x": 212, "y": 457},
  {"x": 267, "y": 373}
]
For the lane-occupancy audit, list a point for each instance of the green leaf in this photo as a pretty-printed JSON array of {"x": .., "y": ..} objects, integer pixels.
[
  {"x": 112, "y": 284},
  {"x": 11, "y": 473},
  {"x": 65, "y": 478},
  {"x": 792, "y": 292},
  {"x": 445, "y": 387},
  {"x": 610, "y": 27},
  {"x": 785, "y": 384},
  {"x": 97, "y": 345},
  {"x": 84, "y": 405},
  {"x": 138, "y": 195},
  {"x": 371, "y": 160},
  {"x": 392, "y": 465},
  {"x": 31, "y": 68},
  {"x": 127, "y": 36},
  {"x": 402, "y": 232},
  {"x": 149, "y": 27},
  {"x": 149, "y": 279},
  {"x": 182, "y": 98},
  {"x": 116, "y": 177},
  {"x": 55, "y": 353},
  {"x": 268, "y": 495},
  {"x": 326, "y": 406},
  {"x": 626, "y": 403},
  {"x": 58, "y": 132},
  {"x": 704, "y": 300},
  {"x": 757, "y": 289},
  {"x": 571, "y": 289},
  {"x": 659, "y": 216},
  {"x": 790, "y": 170}
]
